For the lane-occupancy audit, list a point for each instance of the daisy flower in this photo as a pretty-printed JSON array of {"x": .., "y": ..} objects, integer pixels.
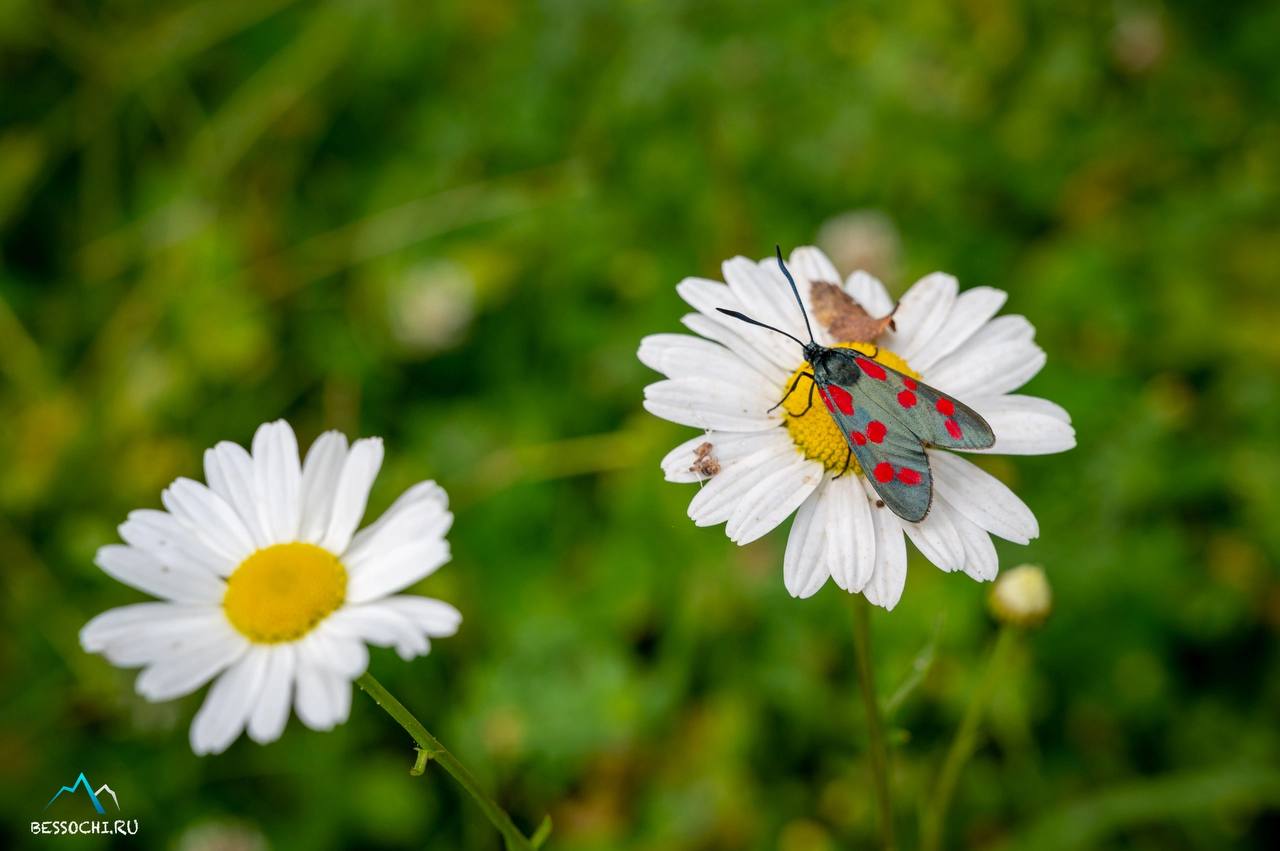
[
  {"x": 267, "y": 588},
  {"x": 759, "y": 462}
]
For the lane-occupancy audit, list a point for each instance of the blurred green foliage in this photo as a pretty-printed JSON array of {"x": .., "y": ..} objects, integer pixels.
[{"x": 450, "y": 223}]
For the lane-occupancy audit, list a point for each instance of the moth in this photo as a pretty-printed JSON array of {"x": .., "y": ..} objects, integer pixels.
[{"x": 887, "y": 419}]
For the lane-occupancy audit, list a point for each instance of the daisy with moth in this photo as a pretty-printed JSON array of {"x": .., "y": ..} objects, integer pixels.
[
  {"x": 894, "y": 419},
  {"x": 867, "y": 465}
]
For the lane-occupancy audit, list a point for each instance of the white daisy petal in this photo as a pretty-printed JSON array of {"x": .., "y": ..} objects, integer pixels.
[
  {"x": 397, "y": 569},
  {"x": 435, "y": 618},
  {"x": 710, "y": 404},
  {"x": 272, "y": 710},
  {"x": 803, "y": 569},
  {"x": 139, "y": 569},
  {"x": 230, "y": 701},
  {"x": 708, "y": 296},
  {"x": 851, "y": 538},
  {"x": 190, "y": 662},
  {"x": 727, "y": 449},
  {"x": 339, "y": 697},
  {"x": 352, "y": 492},
  {"x": 937, "y": 539},
  {"x": 1003, "y": 329},
  {"x": 810, "y": 263},
  {"x": 715, "y": 502},
  {"x": 229, "y": 470},
  {"x": 404, "y": 545},
  {"x": 421, "y": 511},
  {"x": 207, "y": 516},
  {"x": 320, "y": 473},
  {"x": 1014, "y": 404},
  {"x": 335, "y": 650},
  {"x": 982, "y": 498},
  {"x": 1023, "y": 427},
  {"x": 382, "y": 626},
  {"x": 764, "y": 294},
  {"x": 142, "y": 633},
  {"x": 686, "y": 356},
  {"x": 884, "y": 589},
  {"x": 868, "y": 292},
  {"x": 980, "y": 560},
  {"x": 313, "y": 699},
  {"x": 169, "y": 542},
  {"x": 277, "y": 479},
  {"x": 771, "y": 373},
  {"x": 772, "y": 500},
  {"x": 988, "y": 370},
  {"x": 921, "y": 313},
  {"x": 973, "y": 308}
]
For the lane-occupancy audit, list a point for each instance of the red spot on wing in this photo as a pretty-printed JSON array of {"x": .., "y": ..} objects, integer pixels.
[
  {"x": 907, "y": 399},
  {"x": 908, "y": 476},
  {"x": 826, "y": 400},
  {"x": 953, "y": 429},
  {"x": 872, "y": 369},
  {"x": 884, "y": 472},
  {"x": 909, "y": 382},
  {"x": 945, "y": 407},
  {"x": 842, "y": 399},
  {"x": 858, "y": 438},
  {"x": 876, "y": 431}
]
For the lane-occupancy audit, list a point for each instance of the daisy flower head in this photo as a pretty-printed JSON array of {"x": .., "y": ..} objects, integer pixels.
[
  {"x": 267, "y": 589},
  {"x": 939, "y": 368}
]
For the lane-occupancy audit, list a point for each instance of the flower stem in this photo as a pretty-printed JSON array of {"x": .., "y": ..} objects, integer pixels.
[
  {"x": 429, "y": 748},
  {"x": 934, "y": 815},
  {"x": 875, "y": 726}
]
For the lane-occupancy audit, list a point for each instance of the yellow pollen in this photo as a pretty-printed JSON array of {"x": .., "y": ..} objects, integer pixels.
[
  {"x": 815, "y": 432},
  {"x": 281, "y": 592}
]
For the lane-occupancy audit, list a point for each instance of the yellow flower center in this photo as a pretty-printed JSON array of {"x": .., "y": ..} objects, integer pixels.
[
  {"x": 815, "y": 432},
  {"x": 281, "y": 592}
]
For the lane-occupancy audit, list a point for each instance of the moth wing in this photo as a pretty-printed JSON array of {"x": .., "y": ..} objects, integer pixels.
[
  {"x": 937, "y": 418},
  {"x": 890, "y": 454}
]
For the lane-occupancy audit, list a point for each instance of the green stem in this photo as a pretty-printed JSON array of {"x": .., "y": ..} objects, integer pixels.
[
  {"x": 429, "y": 748},
  {"x": 875, "y": 726},
  {"x": 935, "y": 813}
]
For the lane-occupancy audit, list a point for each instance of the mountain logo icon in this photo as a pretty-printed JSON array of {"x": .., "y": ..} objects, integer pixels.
[{"x": 95, "y": 796}]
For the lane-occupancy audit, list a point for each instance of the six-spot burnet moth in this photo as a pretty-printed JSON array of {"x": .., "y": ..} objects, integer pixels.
[{"x": 885, "y": 417}]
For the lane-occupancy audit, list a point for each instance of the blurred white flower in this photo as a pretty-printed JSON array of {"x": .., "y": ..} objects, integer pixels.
[
  {"x": 862, "y": 239},
  {"x": 1138, "y": 40},
  {"x": 1021, "y": 596},
  {"x": 759, "y": 462},
  {"x": 432, "y": 306},
  {"x": 222, "y": 835},
  {"x": 267, "y": 587}
]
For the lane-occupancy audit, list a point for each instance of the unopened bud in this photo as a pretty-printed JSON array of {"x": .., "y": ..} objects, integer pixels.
[{"x": 1021, "y": 596}]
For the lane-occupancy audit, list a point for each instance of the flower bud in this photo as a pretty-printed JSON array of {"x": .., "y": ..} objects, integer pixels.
[{"x": 1021, "y": 596}]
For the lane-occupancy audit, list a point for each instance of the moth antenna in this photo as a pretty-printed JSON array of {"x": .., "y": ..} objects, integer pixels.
[
  {"x": 796, "y": 291},
  {"x": 736, "y": 315}
]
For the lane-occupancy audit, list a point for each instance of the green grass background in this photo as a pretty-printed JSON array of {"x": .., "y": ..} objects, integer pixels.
[{"x": 214, "y": 214}]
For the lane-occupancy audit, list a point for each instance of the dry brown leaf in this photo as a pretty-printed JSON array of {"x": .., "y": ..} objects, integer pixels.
[{"x": 841, "y": 314}]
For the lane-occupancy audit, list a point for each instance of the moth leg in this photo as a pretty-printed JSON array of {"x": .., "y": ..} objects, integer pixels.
[
  {"x": 847, "y": 459},
  {"x": 809, "y": 404},
  {"x": 794, "y": 385}
]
